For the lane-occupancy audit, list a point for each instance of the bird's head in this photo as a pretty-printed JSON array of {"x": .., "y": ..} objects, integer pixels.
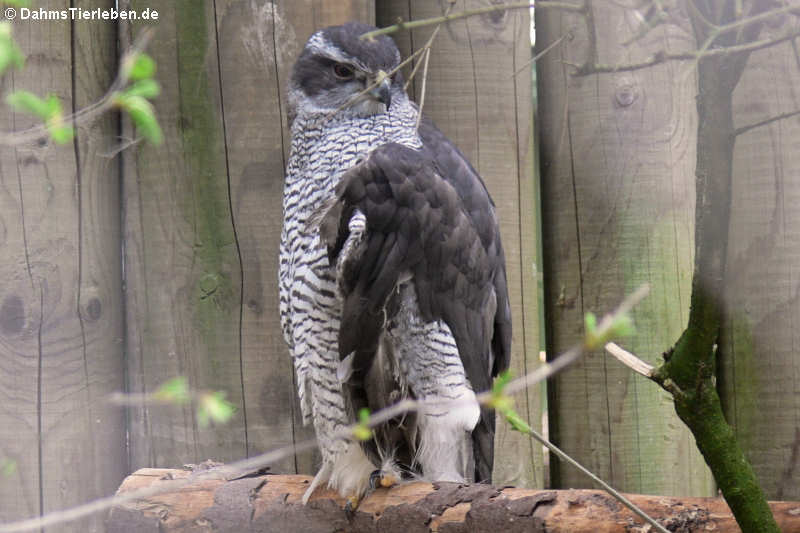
[{"x": 340, "y": 72}]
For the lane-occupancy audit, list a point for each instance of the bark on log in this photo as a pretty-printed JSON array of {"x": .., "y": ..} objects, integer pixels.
[{"x": 272, "y": 503}]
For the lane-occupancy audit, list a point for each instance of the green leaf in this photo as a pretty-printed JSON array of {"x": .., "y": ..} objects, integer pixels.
[
  {"x": 60, "y": 133},
  {"x": 499, "y": 400},
  {"x": 175, "y": 390},
  {"x": 592, "y": 339},
  {"x": 214, "y": 408},
  {"x": 516, "y": 421},
  {"x": 590, "y": 323},
  {"x": 622, "y": 326},
  {"x": 29, "y": 102},
  {"x": 8, "y": 467},
  {"x": 10, "y": 54},
  {"x": 143, "y": 116},
  {"x": 16, "y": 3},
  {"x": 148, "y": 88},
  {"x": 500, "y": 382},
  {"x": 141, "y": 66},
  {"x": 362, "y": 430},
  {"x": 53, "y": 106}
]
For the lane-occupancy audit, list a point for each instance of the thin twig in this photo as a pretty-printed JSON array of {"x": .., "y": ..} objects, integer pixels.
[
  {"x": 741, "y": 23},
  {"x": 628, "y": 359},
  {"x": 663, "y": 57},
  {"x": 541, "y": 54},
  {"x": 608, "y": 488},
  {"x": 573, "y": 354},
  {"x": 91, "y": 112},
  {"x": 422, "y": 89},
  {"x": 649, "y": 24},
  {"x": 743, "y": 129},
  {"x": 426, "y": 47},
  {"x": 407, "y": 25},
  {"x": 238, "y": 468}
]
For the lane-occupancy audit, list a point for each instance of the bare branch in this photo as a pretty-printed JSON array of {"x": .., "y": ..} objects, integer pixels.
[
  {"x": 655, "y": 20},
  {"x": 91, "y": 112},
  {"x": 422, "y": 90},
  {"x": 741, "y": 23},
  {"x": 628, "y": 359},
  {"x": 663, "y": 56},
  {"x": 743, "y": 129},
  {"x": 244, "y": 466},
  {"x": 608, "y": 488},
  {"x": 408, "y": 25},
  {"x": 573, "y": 354},
  {"x": 538, "y": 56}
]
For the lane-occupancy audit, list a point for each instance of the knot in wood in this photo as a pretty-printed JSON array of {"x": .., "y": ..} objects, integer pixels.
[
  {"x": 626, "y": 94},
  {"x": 12, "y": 315}
]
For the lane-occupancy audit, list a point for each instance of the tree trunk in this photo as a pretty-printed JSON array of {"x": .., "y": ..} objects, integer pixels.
[{"x": 272, "y": 503}]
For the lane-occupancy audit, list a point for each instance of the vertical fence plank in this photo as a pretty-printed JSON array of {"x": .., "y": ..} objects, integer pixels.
[
  {"x": 474, "y": 97},
  {"x": 60, "y": 312},
  {"x": 760, "y": 369},
  {"x": 183, "y": 271},
  {"x": 224, "y": 68},
  {"x": 617, "y": 195},
  {"x": 258, "y": 42}
]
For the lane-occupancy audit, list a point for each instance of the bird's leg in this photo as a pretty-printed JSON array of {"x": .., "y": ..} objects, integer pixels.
[
  {"x": 350, "y": 475},
  {"x": 355, "y": 476}
]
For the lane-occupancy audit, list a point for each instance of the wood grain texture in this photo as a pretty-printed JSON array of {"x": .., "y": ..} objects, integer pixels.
[
  {"x": 760, "y": 370},
  {"x": 618, "y": 199},
  {"x": 60, "y": 303},
  {"x": 183, "y": 271},
  {"x": 473, "y": 97},
  {"x": 272, "y": 503},
  {"x": 203, "y": 222}
]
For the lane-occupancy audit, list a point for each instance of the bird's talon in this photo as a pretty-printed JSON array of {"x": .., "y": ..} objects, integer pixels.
[
  {"x": 379, "y": 478},
  {"x": 351, "y": 506},
  {"x": 375, "y": 479}
]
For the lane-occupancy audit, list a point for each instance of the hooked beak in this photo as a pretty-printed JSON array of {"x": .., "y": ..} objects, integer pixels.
[{"x": 382, "y": 89}]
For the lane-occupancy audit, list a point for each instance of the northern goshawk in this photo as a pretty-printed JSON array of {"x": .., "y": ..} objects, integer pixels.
[{"x": 392, "y": 275}]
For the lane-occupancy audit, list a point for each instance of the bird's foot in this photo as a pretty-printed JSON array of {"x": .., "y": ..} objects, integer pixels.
[
  {"x": 351, "y": 506},
  {"x": 377, "y": 479},
  {"x": 383, "y": 478}
]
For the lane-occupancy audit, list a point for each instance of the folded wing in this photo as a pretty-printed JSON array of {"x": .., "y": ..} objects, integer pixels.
[{"x": 422, "y": 216}]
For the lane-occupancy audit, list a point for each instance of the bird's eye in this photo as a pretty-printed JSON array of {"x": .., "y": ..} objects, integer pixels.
[{"x": 342, "y": 71}]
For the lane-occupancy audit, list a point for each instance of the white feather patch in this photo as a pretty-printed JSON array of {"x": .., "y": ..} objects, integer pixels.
[
  {"x": 345, "y": 369},
  {"x": 351, "y": 471}
]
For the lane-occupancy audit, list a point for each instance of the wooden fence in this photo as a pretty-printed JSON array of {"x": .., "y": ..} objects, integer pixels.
[
  {"x": 618, "y": 193},
  {"x": 123, "y": 269}
]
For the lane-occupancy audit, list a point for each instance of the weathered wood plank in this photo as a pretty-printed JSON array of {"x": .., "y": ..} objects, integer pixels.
[
  {"x": 272, "y": 503},
  {"x": 474, "y": 97},
  {"x": 183, "y": 271},
  {"x": 617, "y": 195},
  {"x": 220, "y": 172},
  {"x": 760, "y": 369},
  {"x": 60, "y": 311}
]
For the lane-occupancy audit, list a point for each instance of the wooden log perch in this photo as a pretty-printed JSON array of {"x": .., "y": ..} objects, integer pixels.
[{"x": 272, "y": 503}]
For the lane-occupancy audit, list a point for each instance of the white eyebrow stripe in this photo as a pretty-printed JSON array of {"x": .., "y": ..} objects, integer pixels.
[{"x": 322, "y": 46}]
